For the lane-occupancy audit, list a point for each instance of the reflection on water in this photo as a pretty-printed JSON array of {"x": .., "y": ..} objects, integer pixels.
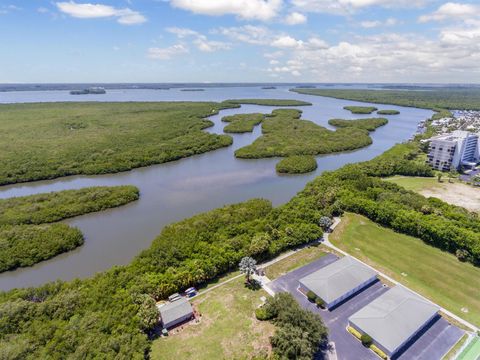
[{"x": 177, "y": 190}]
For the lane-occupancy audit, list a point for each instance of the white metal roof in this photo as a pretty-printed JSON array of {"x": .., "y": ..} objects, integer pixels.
[
  {"x": 393, "y": 317},
  {"x": 175, "y": 310},
  {"x": 338, "y": 278}
]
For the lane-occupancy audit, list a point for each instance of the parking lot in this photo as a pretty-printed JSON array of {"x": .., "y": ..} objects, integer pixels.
[{"x": 429, "y": 345}]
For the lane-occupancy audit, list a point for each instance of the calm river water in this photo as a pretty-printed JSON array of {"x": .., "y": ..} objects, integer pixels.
[{"x": 180, "y": 189}]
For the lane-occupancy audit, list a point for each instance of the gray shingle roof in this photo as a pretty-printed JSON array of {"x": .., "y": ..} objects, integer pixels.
[
  {"x": 338, "y": 278},
  {"x": 175, "y": 310},
  {"x": 392, "y": 318}
]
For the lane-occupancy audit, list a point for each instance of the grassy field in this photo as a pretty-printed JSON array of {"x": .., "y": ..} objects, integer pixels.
[
  {"x": 416, "y": 183},
  {"x": 296, "y": 164},
  {"x": 227, "y": 330},
  {"x": 369, "y": 124},
  {"x": 433, "y": 273},
  {"x": 241, "y": 123},
  {"x": 453, "y": 192},
  {"x": 300, "y": 258},
  {"x": 49, "y": 140},
  {"x": 284, "y": 134}
]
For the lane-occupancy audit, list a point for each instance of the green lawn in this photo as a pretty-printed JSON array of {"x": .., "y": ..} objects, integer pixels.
[
  {"x": 227, "y": 330},
  {"x": 300, "y": 258},
  {"x": 416, "y": 183},
  {"x": 472, "y": 351},
  {"x": 437, "y": 275}
]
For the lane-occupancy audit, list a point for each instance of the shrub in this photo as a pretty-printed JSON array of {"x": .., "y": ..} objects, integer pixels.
[
  {"x": 311, "y": 296},
  {"x": 379, "y": 352},
  {"x": 262, "y": 314},
  {"x": 366, "y": 340},
  {"x": 354, "y": 332},
  {"x": 320, "y": 303},
  {"x": 300, "y": 333},
  {"x": 462, "y": 255}
]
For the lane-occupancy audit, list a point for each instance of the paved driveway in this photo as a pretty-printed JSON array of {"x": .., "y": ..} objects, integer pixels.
[{"x": 430, "y": 345}]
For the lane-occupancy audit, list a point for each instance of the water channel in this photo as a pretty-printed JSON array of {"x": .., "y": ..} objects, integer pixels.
[{"x": 173, "y": 191}]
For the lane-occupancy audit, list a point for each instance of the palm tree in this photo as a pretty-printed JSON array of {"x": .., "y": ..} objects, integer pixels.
[{"x": 248, "y": 266}]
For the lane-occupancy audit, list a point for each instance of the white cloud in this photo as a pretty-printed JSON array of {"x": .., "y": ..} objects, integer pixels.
[
  {"x": 376, "y": 23},
  {"x": 453, "y": 11},
  {"x": 370, "y": 24},
  {"x": 200, "y": 41},
  {"x": 245, "y": 9},
  {"x": 286, "y": 42},
  {"x": 344, "y": 7},
  {"x": 166, "y": 53},
  {"x": 295, "y": 18},
  {"x": 257, "y": 35},
  {"x": 124, "y": 16}
]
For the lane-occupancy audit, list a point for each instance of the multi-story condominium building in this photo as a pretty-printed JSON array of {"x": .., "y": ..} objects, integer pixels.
[{"x": 455, "y": 150}]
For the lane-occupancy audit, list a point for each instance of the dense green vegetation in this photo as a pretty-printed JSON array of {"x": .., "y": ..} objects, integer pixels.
[
  {"x": 49, "y": 140},
  {"x": 445, "y": 226},
  {"x": 445, "y": 98},
  {"x": 284, "y": 134},
  {"x": 56, "y": 206},
  {"x": 360, "y": 109},
  {"x": 241, "y": 123},
  {"x": 24, "y": 241},
  {"x": 369, "y": 124},
  {"x": 26, "y": 245},
  {"x": 433, "y": 273},
  {"x": 267, "y": 102},
  {"x": 299, "y": 334},
  {"x": 103, "y": 317},
  {"x": 296, "y": 164},
  {"x": 388, "y": 112}
]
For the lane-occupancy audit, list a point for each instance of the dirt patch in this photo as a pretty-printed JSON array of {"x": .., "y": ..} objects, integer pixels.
[{"x": 456, "y": 194}]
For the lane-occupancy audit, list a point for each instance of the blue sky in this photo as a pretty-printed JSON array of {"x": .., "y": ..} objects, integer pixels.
[{"x": 239, "y": 41}]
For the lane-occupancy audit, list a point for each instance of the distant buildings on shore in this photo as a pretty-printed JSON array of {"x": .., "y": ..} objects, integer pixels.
[{"x": 457, "y": 150}]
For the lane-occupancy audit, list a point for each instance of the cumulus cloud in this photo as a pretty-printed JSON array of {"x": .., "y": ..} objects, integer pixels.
[
  {"x": 295, "y": 18},
  {"x": 245, "y": 9},
  {"x": 452, "y": 11},
  {"x": 389, "y": 57},
  {"x": 344, "y": 7},
  {"x": 286, "y": 42},
  {"x": 256, "y": 35},
  {"x": 199, "y": 40},
  {"x": 124, "y": 16},
  {"x": 166, "y": 53},
  {"x": 368, "y": 24}
]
